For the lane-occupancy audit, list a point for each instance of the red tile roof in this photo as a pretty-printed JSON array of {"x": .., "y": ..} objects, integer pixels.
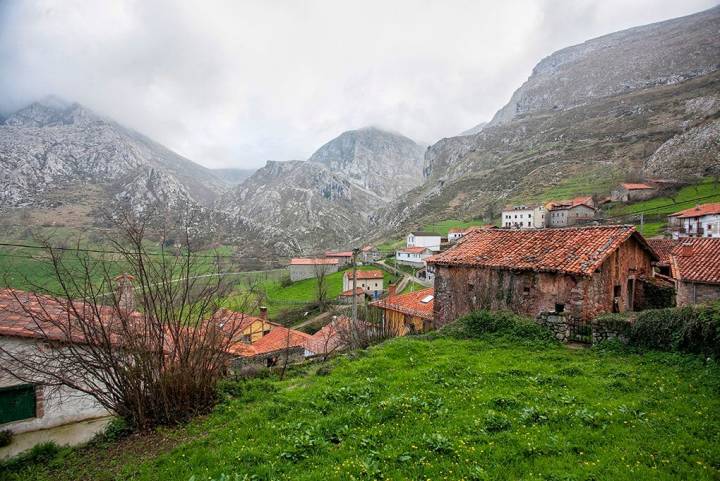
[
  {"x": 698, "y": 211},
  {"x": 570, "y": 203},
  {"x": 630, "y": 186},
  {"x": 312, "y": 262},
  {"x": 368, "y": 248},
  {"x": 278, "y": 339},
  {"x": 414, "y": 250},
  {"x": 371, "y": 274},
  {"x": 348, "y": 293},
  {"x": 338, "y": 254},
  {"x": 456, "y": 230},
  {"x": 577, "y": 250},
  {"x": 409, "y": 303},
  {"x": 696, "y": 260},
  {"x": 663, "y": 247},
  {"x": 25, "y": 314},
  {"x": 330, "y": 337}
]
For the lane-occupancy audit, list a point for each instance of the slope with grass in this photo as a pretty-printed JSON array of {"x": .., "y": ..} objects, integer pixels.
[{"x": 444, "y": 408}]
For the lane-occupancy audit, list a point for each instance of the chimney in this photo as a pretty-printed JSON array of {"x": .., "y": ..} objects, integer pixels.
[
  {"x": 685, "y": 250},
  {"x": 392, "y": 290},
  {"x": 125, "y": 292},
  {"x": 263, "y": 313}
]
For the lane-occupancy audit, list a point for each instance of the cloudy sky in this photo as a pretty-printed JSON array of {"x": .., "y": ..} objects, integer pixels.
[{"x": 235, "y": 83}]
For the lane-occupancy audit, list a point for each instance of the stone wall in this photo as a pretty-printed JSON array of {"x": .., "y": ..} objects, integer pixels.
[
  {"x": 557, "y": 323},
  {"x": 689, "y": 293}
]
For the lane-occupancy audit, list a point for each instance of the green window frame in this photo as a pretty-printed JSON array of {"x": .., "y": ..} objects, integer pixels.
[{"x": 17, "y": 403}]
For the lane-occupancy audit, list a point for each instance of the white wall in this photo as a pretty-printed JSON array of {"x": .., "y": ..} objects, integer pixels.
[
  {"x": 691, "y": 224},
  {"x": 369, "y": 285},
  {"x": 431, "y": 242},
  {"x": 524, "y": 218},
  {"x": 62, "y": 405},
  {"x": 417, "y": 260}
]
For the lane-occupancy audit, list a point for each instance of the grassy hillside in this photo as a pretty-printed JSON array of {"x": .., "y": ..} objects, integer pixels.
[
  {"x": 281, "y": 297},
  {"x": 440, "y": 409}
]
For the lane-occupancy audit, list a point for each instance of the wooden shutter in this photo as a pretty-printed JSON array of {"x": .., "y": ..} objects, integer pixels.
[{"x": 17, "y": 403}]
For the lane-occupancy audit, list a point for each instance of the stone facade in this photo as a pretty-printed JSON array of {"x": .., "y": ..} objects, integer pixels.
[
  {"x": 557, "y": 323},
  {"x": 689, "y": 293},
  {"x": 460, "y": 290}
]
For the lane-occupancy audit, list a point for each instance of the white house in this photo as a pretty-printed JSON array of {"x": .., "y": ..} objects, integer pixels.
[
  {"x": 425, "y": 239},
  {"x": 699, "y": 221},
  {"x": 455, "y": 234},
  {"x": 413, "y": 256},
  {"x": 371, "y": 282},
  {"x": 31, "y": 406},
  {"x": 524, "y": 217}
]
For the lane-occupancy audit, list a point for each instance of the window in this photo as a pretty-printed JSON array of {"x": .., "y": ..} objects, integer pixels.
[
  {"x": 17, "y": 403},
  {"x": 559, "y": 307}
]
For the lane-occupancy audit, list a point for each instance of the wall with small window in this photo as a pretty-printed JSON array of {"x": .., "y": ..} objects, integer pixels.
[{"x": 30, "y": 406}]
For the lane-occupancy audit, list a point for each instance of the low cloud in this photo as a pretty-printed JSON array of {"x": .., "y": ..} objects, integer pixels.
[{"x": 232, "y": 84}]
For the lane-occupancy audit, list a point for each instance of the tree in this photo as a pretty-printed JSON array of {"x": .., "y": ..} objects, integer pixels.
[
  {"x": 321, "y": 286},
  {"x": 148, "y": 345}
]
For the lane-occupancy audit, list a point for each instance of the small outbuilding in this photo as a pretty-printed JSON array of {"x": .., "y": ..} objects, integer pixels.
[
  {"x": 695, "y": 266},
  {"x": 304, "y": 268}
]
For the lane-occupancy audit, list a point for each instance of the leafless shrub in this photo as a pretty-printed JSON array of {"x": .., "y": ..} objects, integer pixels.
[{"x": 145, "y": 345}]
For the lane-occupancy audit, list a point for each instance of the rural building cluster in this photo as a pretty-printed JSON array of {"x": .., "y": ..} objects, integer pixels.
[{"x": 552, "y": 262}]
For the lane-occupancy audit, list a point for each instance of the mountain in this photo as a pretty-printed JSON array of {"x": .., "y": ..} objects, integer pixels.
[
  {"x": 233, "y": 176},
  {"x": 474, "y": 130},
  {"x": 385, "y": 163},
  {"x": 51, "y": 146},
  {"x": 644, "y": 101},
  {"x": 315, "y": 207}
]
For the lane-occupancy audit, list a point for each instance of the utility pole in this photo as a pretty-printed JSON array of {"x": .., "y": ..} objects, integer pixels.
[
  {"x": 642, "y": 223},
  {"x": 355, "y": 253}
]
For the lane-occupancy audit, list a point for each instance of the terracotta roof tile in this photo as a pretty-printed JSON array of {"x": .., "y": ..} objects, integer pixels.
[
  {"x": 630, "y": 186},
  {"x": 330, "y": 337},
  {"x": 698, "y": 211},
  {"x": 413, "y": 250},
  {"x": 700, "y": 263},
  {"x": 663, "y": 247},
  {"x": 578, "y": 250},
  {"x": 25, "y": 314},
  {"x": 371, "y": 274},
  {"x": 409, "y": 303},
  {"x": 312, "y": 262},
  {"x": 278, "y": 339},
  {"x": 338, "y": 254},
  {"x": 348, "y": 293}
]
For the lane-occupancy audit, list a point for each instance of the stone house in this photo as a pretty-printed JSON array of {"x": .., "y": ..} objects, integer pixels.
[
  {"x": 584, "y": 271},
  {"x": 370, "y": 254},
  {"x": 628, "y": 192},
  {"x": 413, "y": 256},
  {"x": 567, "y": 213},
  {"x": 407, "y": 313},
  {"x": 344, "y": 258},
  {"x": 424, "y": 239},
  {"x": 524, "y": 217},
  {"x": 371, "y": 282},
  {"x": 699, "y": 221},
  {"x": 663, "y": 248},
  {"x": 303, "y": 268},
  {"x": 695, "y": 266}
]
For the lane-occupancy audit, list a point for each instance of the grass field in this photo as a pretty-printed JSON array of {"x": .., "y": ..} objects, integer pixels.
[
  {"x": 440, "y": 409},
  {"x": 702, "y": 193},
  {"x": 279, "y": 297}
]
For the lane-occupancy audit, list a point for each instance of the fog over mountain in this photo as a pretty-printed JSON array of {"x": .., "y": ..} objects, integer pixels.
[{"x": 216, "y": 84}]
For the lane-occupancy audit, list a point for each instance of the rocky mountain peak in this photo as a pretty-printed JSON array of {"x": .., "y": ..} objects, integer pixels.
[
  {"x": 663, "y": 53},
  {"x": 382, "y": 162}
]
